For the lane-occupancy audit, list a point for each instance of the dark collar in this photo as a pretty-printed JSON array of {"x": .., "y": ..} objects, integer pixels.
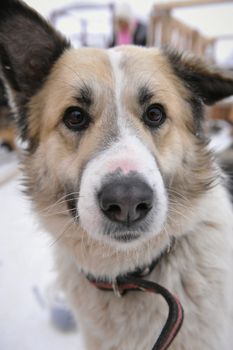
[
  {"x": 133, "y": 281},
  {"x": 106, "y": 284}
]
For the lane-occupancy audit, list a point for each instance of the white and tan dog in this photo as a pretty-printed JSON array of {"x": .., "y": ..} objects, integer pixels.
[{"x": 116, "y": 166}]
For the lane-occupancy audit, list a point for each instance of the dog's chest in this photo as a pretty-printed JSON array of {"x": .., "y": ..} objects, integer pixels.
[
  {"x": 135, "y": 320},
  {"x": 126, "y": 322}
]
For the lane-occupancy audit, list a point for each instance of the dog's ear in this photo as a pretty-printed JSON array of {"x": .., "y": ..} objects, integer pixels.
[
  {"x": 208, "y": 83},
  {"x": 28, "y": 47}
]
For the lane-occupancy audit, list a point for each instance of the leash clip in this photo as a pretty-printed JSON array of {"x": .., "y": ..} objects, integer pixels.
[{"x": 116, "y": 290}]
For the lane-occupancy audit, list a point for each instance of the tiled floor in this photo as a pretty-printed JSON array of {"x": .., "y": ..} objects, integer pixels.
[{"x": 25, "y": 275}]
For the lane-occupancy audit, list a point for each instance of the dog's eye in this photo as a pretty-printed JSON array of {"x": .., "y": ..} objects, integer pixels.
[
  {"x": 76, "y": 119},
  {"x": 154, "y": 115}
]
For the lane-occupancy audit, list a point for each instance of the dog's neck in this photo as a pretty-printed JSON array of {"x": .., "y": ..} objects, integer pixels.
[{"x": 107, "y": 284}]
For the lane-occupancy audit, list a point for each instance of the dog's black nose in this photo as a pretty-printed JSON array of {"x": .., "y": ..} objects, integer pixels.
[{"x": 126, "y": 199}]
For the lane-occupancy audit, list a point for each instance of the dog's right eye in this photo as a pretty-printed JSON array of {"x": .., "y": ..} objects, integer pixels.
[
  {"x": 76, "y": 119},
  {"x": 154, "y": 115}
]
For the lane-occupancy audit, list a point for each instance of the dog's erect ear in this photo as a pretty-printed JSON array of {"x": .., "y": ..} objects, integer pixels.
[
  {"x": 207, "y": 83},
  {"x": 28, "y": 47}
]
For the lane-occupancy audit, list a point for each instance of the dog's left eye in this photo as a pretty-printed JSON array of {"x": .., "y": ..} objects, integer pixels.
[
  {"x": 154, "y": 115},
  {"x": 76, "y": 119}
]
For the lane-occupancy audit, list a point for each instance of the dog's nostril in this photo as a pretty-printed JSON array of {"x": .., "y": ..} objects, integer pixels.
[
  {"x": 143, "y": 207},
  {"x": 114, "y": 210},
  {"x": 126, "y": 200},
  {"x": 141, "y": 210}
]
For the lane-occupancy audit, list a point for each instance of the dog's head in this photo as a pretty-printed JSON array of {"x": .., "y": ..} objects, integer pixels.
[{"x": 116, "y": 157}]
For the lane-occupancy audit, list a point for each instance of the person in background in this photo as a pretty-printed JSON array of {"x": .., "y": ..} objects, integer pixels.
[{"x": 128, "y": 30}]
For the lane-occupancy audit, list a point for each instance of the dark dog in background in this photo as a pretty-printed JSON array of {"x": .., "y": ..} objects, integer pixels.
[{"x": 7, "y": 124}]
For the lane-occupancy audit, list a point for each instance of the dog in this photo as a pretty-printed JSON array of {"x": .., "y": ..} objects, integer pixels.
[
  {"x": 7, "y": 125},
  {"x": 117, "y": 167}
]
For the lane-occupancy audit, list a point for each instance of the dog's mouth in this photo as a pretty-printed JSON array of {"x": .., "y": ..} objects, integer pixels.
[{"x": 125, "y": 238}]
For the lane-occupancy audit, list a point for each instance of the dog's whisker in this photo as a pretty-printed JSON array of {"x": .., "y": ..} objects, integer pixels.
[
  {"x": 66, "y": 227},
  {"x": 180, "y": 207},
  {"x": 178, "y": 195},
  {"x": 51, "y": 210},
  {"x": 175, "y": 211},
  {"x": 59, "y": 201},
  {"x": 56, "y": 213}
]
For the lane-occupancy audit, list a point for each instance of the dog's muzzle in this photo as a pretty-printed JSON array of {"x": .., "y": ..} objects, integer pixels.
[
  {"x": 121, "y": 198},
  {"x": 125, "y": 200}
]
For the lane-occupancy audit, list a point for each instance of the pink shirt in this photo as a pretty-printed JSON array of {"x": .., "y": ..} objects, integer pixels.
[{"x": 124, "y": 37}]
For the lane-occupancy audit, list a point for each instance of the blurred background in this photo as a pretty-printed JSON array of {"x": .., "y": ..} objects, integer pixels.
[{"x": 33, "y": 311}]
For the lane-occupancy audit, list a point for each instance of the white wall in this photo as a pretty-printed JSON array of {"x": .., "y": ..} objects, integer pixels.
[{"x": 212, "y": 20}]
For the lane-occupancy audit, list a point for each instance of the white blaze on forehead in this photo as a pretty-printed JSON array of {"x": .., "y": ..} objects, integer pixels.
[
  {"x": 115, "y": 60},
  {"x": 124, "y": 159},
  {"x": 119, "y": 87}
]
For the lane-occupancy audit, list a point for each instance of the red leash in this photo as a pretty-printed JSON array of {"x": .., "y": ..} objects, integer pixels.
[{"x": 175, "y": 317}]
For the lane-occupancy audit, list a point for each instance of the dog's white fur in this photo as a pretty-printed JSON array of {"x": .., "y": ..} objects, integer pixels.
[
  {"x": 172, "y": 160},
  {"x": 199, "y": 272}
]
